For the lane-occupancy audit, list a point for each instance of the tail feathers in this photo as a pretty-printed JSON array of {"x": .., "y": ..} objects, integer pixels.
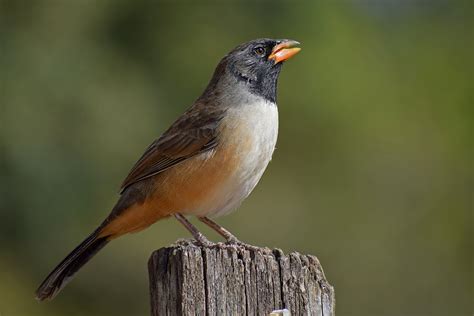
[{"x": 64, "y": 272}]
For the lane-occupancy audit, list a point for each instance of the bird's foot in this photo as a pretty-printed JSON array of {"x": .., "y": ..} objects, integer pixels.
[
  {"x": 201, "y": 240},
  {"x": 232, "y": 241}
]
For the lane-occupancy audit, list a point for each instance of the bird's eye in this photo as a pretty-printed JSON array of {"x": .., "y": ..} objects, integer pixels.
[{"x": 260, "y": 51}]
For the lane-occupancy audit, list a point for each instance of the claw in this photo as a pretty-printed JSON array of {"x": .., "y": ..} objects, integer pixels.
[
  {"x": 235, "y": 242},
  {"x": 203, "y": 241}
]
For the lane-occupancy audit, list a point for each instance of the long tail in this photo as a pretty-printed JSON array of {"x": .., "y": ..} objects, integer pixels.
[{"x": 64, "y": 272}]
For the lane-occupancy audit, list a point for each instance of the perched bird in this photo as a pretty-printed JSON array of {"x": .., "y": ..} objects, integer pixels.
[{"x": 205, "y": 164}]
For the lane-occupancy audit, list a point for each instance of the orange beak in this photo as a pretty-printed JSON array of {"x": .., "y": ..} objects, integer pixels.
[{"x": 285, "y": 50}]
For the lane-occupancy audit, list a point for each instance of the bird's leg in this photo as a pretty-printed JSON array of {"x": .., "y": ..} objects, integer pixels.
[
  {"x": 231, "y": 239},
  {"x": 200, "y": 238}
]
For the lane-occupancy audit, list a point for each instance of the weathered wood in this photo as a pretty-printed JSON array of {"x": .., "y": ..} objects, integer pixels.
[{"x": 186, "y": 279}]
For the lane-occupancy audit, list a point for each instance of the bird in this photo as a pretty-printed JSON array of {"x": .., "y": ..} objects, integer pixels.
[{"x": 205, "y": 164}]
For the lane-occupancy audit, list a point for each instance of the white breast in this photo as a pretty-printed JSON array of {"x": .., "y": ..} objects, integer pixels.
[{"x": 252, "y": 129}]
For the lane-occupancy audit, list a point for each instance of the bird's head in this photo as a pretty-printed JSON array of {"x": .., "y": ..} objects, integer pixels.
[
  {"x": 257, "y": 59},
  {"x": 256, "y": 65}
]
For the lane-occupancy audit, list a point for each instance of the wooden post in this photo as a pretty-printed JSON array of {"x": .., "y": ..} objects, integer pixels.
[{"x": 186, "y": 279}]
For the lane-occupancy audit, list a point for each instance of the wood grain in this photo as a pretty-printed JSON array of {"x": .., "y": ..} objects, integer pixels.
[{"x": 186, "y": 279}]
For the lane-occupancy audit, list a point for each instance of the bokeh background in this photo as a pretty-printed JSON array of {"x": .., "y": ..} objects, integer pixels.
[{"x": 372, "y": 173}]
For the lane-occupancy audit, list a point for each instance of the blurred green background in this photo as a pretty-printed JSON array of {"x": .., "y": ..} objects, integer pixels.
[{"x": 372, "y": 172}]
